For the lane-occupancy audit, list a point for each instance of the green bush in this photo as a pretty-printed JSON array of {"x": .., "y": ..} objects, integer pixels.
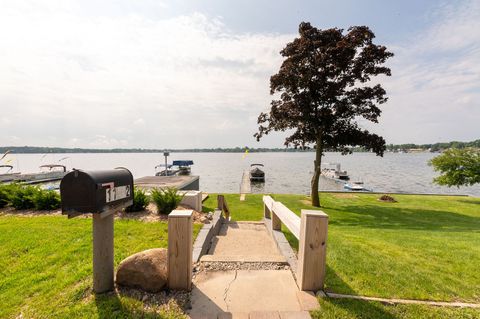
[
  {"x": 46, "y": 199},
  {"x": 6, "y": 192},
  {"x": 140, "y": 201},
  {"x": 23, "y": 197},
  {"x": 166, "y": 199}
]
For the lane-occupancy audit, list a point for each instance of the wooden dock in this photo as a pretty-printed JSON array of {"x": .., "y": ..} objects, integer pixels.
[
  {"x": 245, "y": 187},
  {"x": 183, "y": 182}
]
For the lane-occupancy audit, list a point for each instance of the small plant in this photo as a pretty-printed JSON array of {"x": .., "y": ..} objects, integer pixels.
[
  {"x": 140, "y": 201},
  {"x": 166, "y": 199},
  {"x": 46, "y": 200},
  {"x": 23, "y": 197}
]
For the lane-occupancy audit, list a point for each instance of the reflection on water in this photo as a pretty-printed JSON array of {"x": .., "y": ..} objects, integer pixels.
[{"x": 284, "y": 172}]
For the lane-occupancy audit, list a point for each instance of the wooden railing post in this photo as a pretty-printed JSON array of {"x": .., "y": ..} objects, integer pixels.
[
  {"x": 180, "y": 246},
  {"x": 276, "y": 222},
  {"x": 222, "y": 205},
  {"x": 266, "y": 211},
  {"x": 312, "y": 250}
]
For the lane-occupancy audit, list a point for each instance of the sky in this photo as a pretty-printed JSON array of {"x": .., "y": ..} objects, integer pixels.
[{"x": 193, "y": 74}]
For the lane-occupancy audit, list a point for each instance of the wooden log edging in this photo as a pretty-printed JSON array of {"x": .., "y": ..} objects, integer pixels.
[{"x": 405, "y": 301}]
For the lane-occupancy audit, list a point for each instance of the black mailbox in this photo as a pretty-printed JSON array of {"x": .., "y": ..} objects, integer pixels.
[{"x": 96, "y": 191}]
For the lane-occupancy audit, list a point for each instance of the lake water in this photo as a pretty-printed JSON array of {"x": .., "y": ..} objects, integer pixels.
[{"x": 285, "y": 172}]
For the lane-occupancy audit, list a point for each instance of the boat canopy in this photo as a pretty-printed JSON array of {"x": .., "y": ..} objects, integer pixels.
[
  {"x": 50, "y": 166},
  {"x": 256, "y": 165},
  {"x": 182, "y": 163}
]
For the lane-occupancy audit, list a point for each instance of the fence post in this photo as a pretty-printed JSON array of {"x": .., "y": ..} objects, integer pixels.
[
  {"x": 312, "y": 250},
  {"x": 180, "y": 246}
]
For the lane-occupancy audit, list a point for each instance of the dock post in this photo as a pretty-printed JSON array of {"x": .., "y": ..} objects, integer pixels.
[
  {"x": 180, "y": 246},
  {"x": 312, "y": 250}
]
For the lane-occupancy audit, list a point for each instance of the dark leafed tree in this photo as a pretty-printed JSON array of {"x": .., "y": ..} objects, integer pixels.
[{"x": 322, "y": 90}]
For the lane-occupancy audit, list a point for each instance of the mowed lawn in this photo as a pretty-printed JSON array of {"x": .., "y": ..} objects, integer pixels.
[
  {"x": 46, "y": 267},
  {"x": 422, "y": 247}
]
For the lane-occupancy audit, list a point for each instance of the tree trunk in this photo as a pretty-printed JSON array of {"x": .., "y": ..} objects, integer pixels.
[{"x": 317, "y": 171}]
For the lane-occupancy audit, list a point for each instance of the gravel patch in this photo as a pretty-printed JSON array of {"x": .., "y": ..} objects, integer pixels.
[{"x": 222, "y": 266}]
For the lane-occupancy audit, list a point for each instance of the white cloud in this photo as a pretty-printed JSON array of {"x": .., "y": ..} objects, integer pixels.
[
  {"x": 119, "y": 74},
  {"x": 97, "y": 75},
  {"x": 434, "y": 89}
]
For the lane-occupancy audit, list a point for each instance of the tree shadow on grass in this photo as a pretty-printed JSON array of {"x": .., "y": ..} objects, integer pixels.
[
  {"x": 469, "y": 202},
  {"x": 370, "y": 216},
  {"x": 357, "y": 308}
]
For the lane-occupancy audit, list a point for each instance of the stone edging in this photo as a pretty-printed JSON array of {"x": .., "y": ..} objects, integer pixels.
[
  {"x": 283, "y": 246},
  {"x": 205, "y": 235},
  {"x": 405, "y": 301}
]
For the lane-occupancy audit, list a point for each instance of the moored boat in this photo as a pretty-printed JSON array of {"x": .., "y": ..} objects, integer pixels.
[
  {"x": 355, "y": 186},
  {"x": 333, "y": 171},
  {"x": 183, "y": 166},
  {"x": 256, "y": 174}
]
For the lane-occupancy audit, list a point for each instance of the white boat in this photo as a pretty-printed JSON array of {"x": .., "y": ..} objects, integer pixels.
[
  {"x": 183, "y": 166},
  {"x": 355, "y": 186},
  {"x": 333, "y": 171},
  {"x": 178, "y": 167}
]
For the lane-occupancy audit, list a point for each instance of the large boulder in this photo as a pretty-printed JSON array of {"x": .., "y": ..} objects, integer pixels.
[{"x": 146, "y": 270}]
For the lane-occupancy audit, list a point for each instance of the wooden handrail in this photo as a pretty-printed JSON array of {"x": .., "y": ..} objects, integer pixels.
[
  {"x": 311, "y": 231},
  {"x": 281, "y": 214},
  {"x": 288, "y": 218},
  {"x": 222, "y": 205}
]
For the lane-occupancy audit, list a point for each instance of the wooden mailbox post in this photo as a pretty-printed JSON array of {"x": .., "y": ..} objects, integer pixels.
[{"x": 101, "y": 193}]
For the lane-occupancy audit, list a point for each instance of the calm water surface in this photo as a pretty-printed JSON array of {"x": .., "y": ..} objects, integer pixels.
[{"x": 285, "y": 172}]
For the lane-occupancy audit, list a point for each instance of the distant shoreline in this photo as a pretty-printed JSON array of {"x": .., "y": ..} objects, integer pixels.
[
  {"x": 408, "y": 148},
  {"x": 57, "y": 150}
]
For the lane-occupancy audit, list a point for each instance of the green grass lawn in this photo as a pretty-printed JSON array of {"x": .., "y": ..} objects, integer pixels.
[
  {"x": 46, "y": 267},
  {"x": 422, "y": 247}
]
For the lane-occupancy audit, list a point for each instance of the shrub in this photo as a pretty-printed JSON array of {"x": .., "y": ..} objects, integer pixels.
[
  {"x": 46, "y": 199},
  {"x": 4, "y": 196},
  {"x": 166, "y": 199},
  {"x": 6, "y": 192},
  {"x": 23, "y": 197},
  {"x": 140, "y": 201}
]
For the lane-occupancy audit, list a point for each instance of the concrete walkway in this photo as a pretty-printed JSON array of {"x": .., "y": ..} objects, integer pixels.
[{"x": 245, "y": 276}]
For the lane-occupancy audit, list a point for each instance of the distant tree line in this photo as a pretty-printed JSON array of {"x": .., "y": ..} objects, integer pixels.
[
  {"x": 436, "y": 146},
  {"x": 46, "y": 150},
  {"x": 390, "y": 147}
]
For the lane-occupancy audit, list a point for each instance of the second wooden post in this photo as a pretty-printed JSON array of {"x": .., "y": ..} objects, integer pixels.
[
  {"x": 180, "y": 246},
  {"x": 312, "y": 250}
]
